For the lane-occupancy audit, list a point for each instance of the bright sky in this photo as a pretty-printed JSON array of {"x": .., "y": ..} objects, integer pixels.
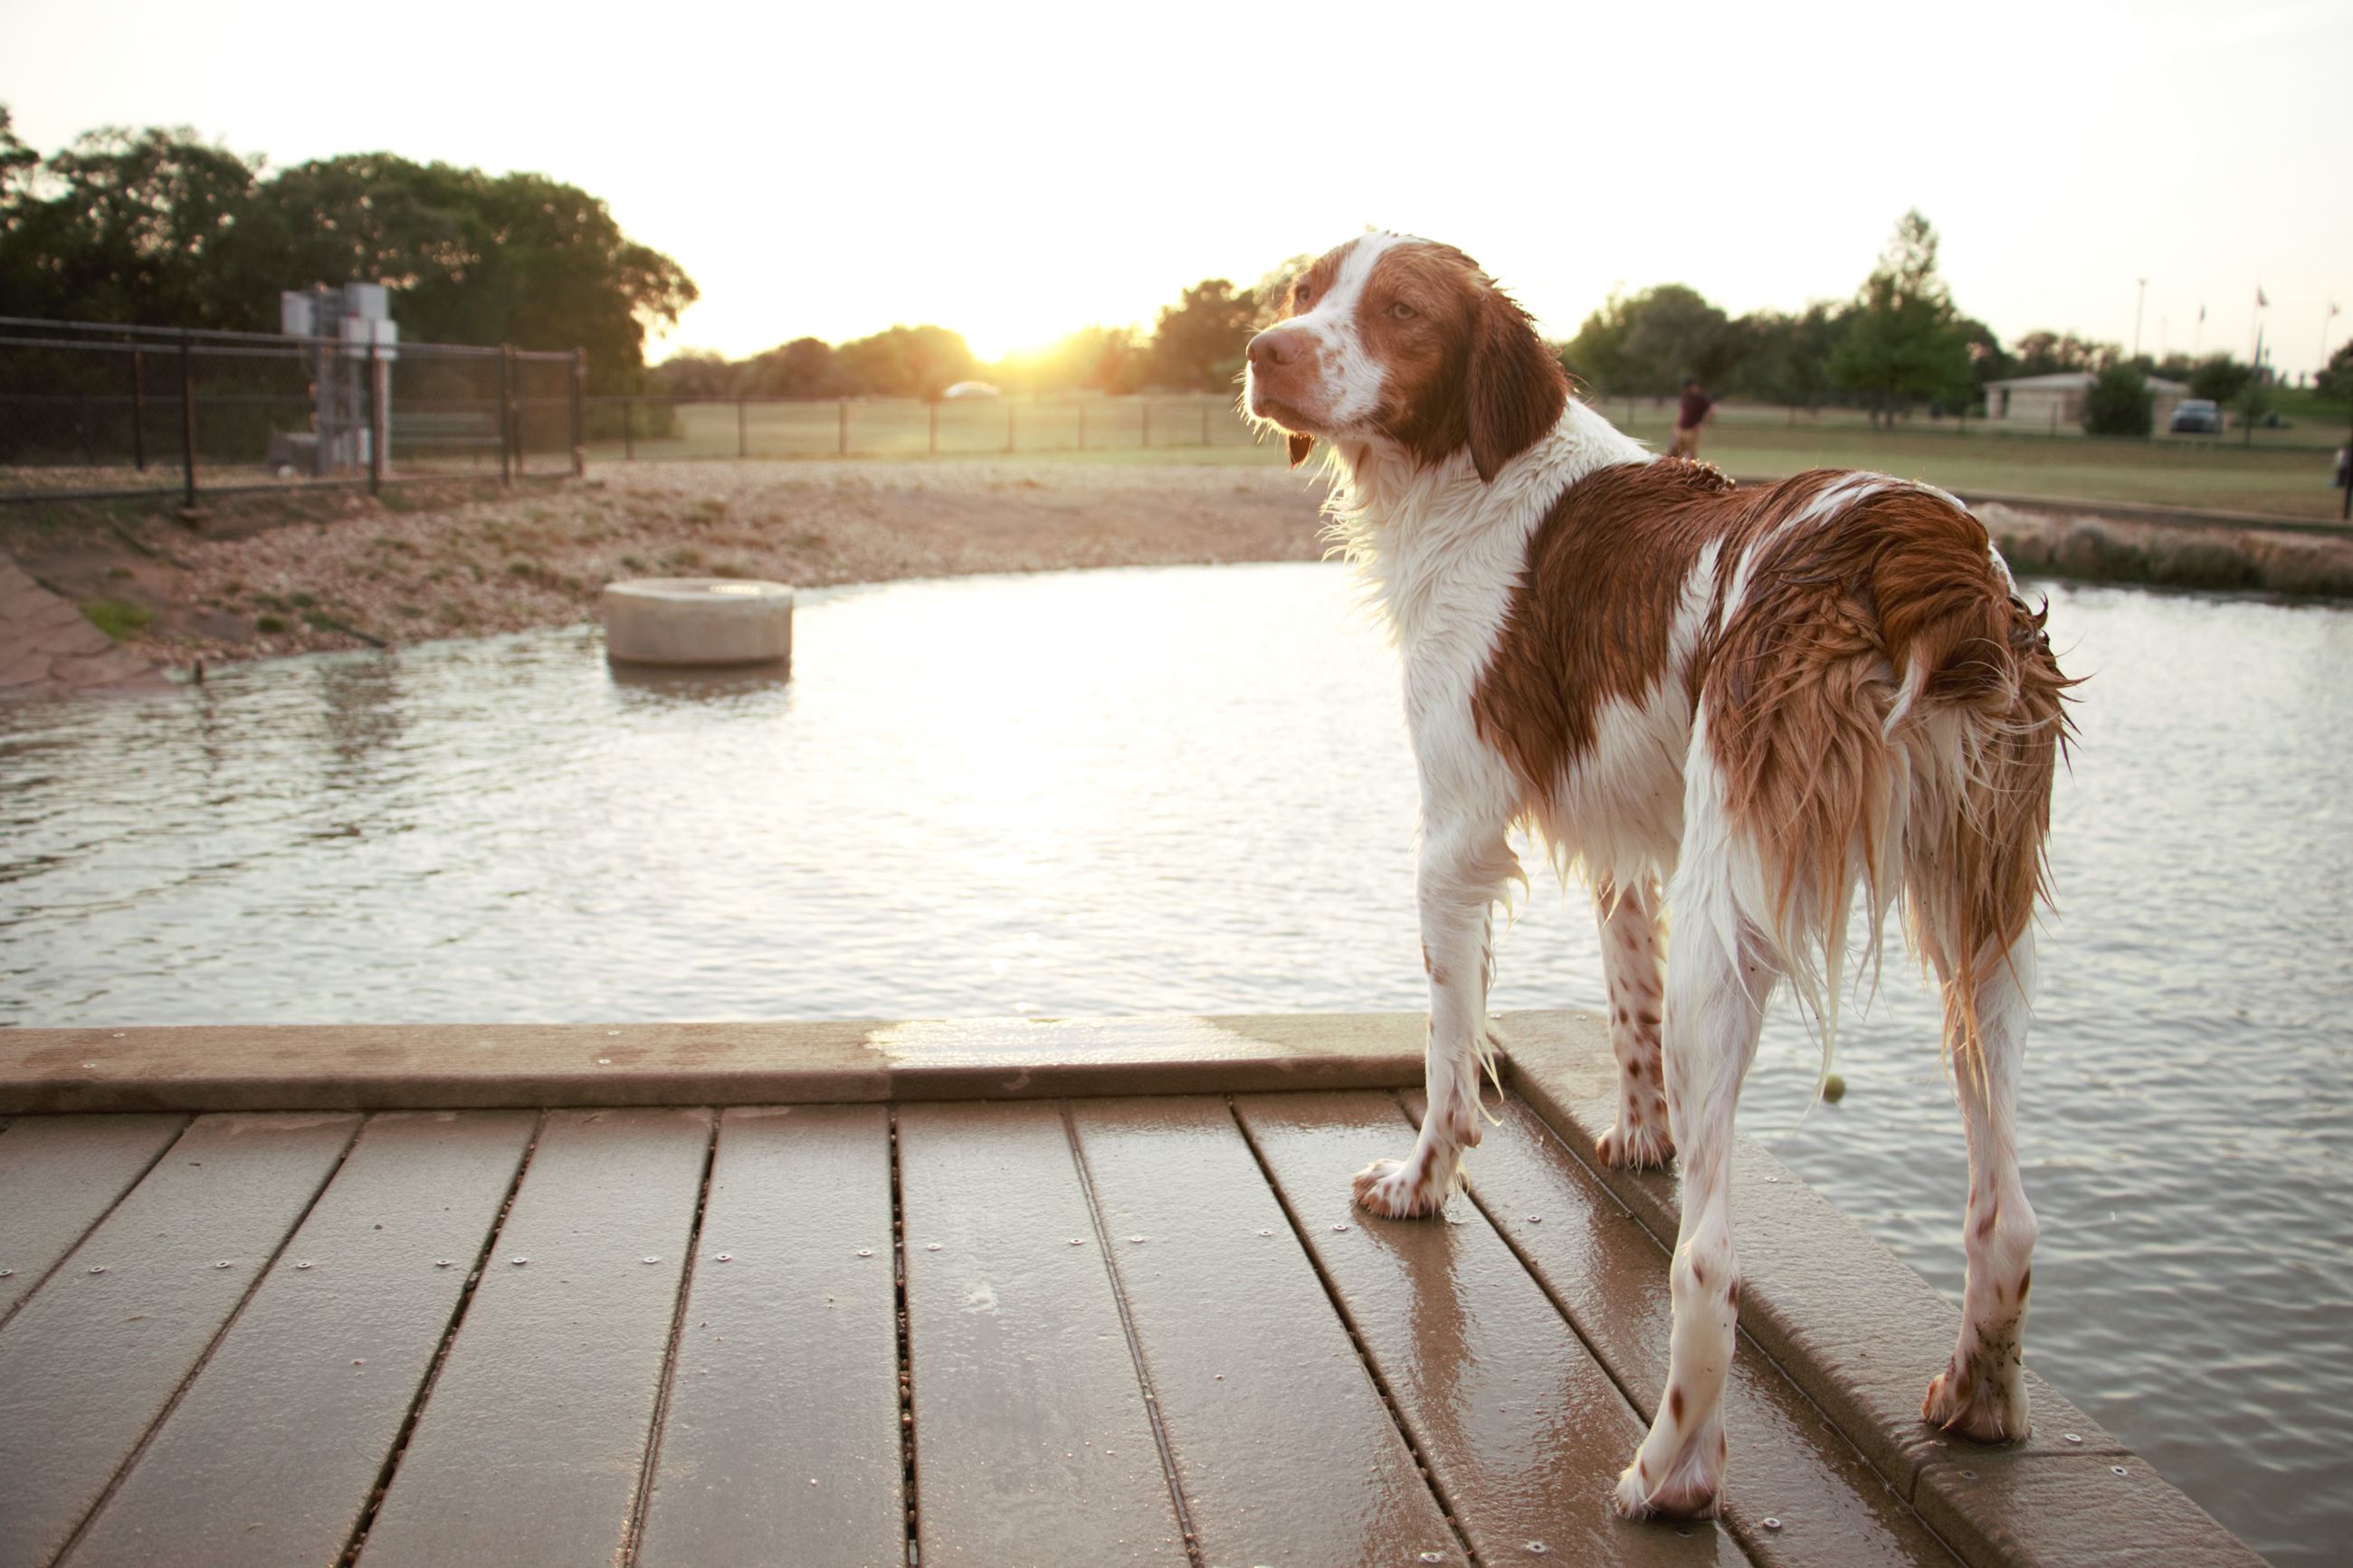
[{"x": 1016, "y": 170}]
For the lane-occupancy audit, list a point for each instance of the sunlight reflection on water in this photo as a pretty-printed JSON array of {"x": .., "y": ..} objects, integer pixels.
[{"x": 1187, "y": 790}]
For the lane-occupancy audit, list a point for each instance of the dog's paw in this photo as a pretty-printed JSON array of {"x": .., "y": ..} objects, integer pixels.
[
  {"x": 1635, "y": 1148},
  {"x": 1685, "y": 1487},
  {"x": 1391, "y": 1189},
  {"x": 1981, "y": 1408}
]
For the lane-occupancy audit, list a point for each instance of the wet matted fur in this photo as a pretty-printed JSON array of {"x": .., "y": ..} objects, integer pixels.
[{"x": 1793, "y": 706}]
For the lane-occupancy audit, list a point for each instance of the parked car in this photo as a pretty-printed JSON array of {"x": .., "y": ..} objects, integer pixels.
[{"x": 2196, "y": 416}]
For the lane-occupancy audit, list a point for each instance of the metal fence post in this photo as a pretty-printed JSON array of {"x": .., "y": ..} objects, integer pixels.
[
  {"x": 187, "y": 427},
  {"x": 742, "y": 436},
  {"x": 376, "y": 420},
  {"x": 845, "y": 426},
  {"x": 579, "y": 434},
  {"x": 138, "y": 410},
  {"x": 506, "y": 413}
]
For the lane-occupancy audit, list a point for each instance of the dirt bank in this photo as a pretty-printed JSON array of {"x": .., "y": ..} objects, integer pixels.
[
  {"x": 278, "y": 574},
  {"x": 284, "y": 575},
  {"x": 2072, "y": 542}
]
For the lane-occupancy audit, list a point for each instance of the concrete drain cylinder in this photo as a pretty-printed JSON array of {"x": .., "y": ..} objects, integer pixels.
[{"x": 697, "y": 621}]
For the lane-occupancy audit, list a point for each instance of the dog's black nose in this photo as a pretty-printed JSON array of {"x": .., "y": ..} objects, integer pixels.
[{"x": 1274, "y": 346}]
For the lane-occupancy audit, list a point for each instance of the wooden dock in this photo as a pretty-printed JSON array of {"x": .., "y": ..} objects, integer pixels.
[{"x": 999, "y": 1293}]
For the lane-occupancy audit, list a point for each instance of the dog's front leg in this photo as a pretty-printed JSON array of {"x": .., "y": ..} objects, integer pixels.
[{"x": 1464, "y": 866}]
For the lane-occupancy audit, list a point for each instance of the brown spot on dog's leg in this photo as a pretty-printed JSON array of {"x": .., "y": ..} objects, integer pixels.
[{"x": 1675, "y": 1403}]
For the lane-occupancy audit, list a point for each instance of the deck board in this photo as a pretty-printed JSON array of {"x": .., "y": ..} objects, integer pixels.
[
  {"x": 1032, "y": 1439},
  {"x": 59, "y": 1175},
  {"x": 1285, "y": 1450},
  {"x": 95, "y": 1357},
  {"x": 1788, "y": 1462},
  {"x": 228, "y": 1480},
  {"x": 594, "y": 1406},
  {"x": 528, "y": 1450},
  {"x": 1525, "y": 1433},
  {"x": 781, "y": 1439}
]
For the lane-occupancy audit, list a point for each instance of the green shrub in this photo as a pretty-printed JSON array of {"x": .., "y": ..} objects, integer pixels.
[
  {"x": 117, "y": 618},
  {"x": 2117, "y": 403}
]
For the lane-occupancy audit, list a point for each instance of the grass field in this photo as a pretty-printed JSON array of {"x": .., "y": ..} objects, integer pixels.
[{"x": 2285, "y": 472}]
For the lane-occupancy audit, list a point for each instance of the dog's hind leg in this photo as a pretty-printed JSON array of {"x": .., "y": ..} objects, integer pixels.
[
  {"x": 1629, "y": 962},
  {"x": 1719, "y": 974},
  {"x": 1981, "y": 1394},
  {"x": 1465, "y": 863}
]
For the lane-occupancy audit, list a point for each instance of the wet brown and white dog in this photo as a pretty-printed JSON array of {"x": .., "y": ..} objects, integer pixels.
[{"x": 1772, "y": 699}]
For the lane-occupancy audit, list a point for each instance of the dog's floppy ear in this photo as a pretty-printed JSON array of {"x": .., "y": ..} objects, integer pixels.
[
  {"x": 1516, "y": 388},
  {"x": 1299, "y": 447}
]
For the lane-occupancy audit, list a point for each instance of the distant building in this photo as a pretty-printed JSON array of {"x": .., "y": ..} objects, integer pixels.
[{"x": 2044, "y": 402}]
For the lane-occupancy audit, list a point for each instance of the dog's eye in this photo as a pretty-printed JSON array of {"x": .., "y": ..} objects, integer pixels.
[{"x": 1402, "y": 311}]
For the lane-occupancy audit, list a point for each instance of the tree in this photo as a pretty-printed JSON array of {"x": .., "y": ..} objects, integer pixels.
[
  {"x": 802, "y": 368},
  {"x": 695, "y": 373},
  {"x": 2117, "y": 403},
  {"x": 1199, "y": 343},
  {"x": 1092, "y": 359},
  {"x": 160, "y": 229},
  {"x": 2219, "y": 378},
  {"x": 1785, "y": 359},
  {"x": 1903, "y": 340},
  {"x": 478, "y": 258},
  {"x": 2054, "y": 354},
  {"x": 904, "y": 361},
  {"x": 1648, "y": 345},
  {"x": 2335, "y": 381}
]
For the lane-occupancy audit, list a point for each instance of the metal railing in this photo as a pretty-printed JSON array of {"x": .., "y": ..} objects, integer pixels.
[
  {"x": 629, "y": 428},
  {"x": 96, "y": 411}
]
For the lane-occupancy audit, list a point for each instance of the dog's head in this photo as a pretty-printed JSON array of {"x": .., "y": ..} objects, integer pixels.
[{"x": 1398, "y": 340}]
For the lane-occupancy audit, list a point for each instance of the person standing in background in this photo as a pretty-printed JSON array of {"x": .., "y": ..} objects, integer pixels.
[{"x": 1695, "y": 410}]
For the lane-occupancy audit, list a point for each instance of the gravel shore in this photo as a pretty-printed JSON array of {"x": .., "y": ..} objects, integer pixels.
[
  {"x": 282, "y": 573},
  {"x": 339, "y": 570}
]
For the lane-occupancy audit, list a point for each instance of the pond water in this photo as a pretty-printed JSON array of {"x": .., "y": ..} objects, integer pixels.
[{"x": 1188, "y": 790}]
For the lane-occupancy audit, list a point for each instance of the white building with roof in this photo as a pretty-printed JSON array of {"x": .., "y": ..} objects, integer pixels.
[{"x": 2056, "y": 402}]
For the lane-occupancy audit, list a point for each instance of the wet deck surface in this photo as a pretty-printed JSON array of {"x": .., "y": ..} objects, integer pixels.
[{"x": 1086, "y": 1330}]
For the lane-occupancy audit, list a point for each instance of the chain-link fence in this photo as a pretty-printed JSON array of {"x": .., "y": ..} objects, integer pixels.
[
  {"x": 91, "y": 411},
  {"x": 643, "y": 427}
]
